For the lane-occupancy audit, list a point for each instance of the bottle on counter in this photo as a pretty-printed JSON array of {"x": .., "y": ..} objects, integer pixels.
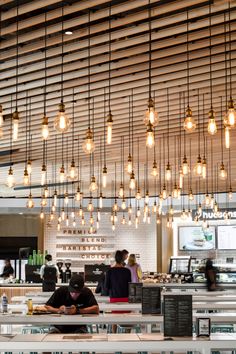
[
  {"x": 30, "y": 307},
  {"x": 34, "y": 257},
  {"x": 4, "y": 303},
  {"x": 30, "y": 259}
]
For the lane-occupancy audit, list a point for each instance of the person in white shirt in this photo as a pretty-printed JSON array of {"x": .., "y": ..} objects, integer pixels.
[{"x": 49, "y": 273}]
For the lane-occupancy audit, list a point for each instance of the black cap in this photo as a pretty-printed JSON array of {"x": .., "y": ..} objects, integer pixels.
[{"x": 76, "y": 283}]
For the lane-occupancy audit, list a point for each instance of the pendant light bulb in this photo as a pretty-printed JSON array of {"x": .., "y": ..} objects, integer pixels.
[
  {"x": 123, "y": 220},
  {"x": 181, "y": 178},
  {"x": 215, "y": 208},
  {"x": 66, "y": 198},
  {"x": 230, "y": 117},
  {"x": 113, "y": 227},
  {"x": 230, "y": 194},
  {"x": 175, "y": 192},
  {"x": 212, "y": 128},
  {"x": 62, "y": 122},
  {"x": 67, "y": 220},
  {"x": 168, "y": 172},
  {"x": 189, "y": 122},
  {"x": 29, "y": 167},
  {"x": 138, "y": 194},
  {"x": 132, "y": 181},
  {"x": 30, "y": 202},
  {"x": 164, "y": 192},
  {"x": 123, "y": 204},
  {"x": 55, "y": 198},
  {"x": 138, "y": 212},
  {"x": 72, "y": 173},
  {"x": 151, "y": 115},
  {"x": 121, "y": 191},
  {"x": 41, "y": 214},
  {"x": 129, "y": 167},
  {"x": 190, "y": 195},
  {"x": 62, "y": 174},
  {"x": 109, "y": 128},
  {"x": 115, "y": 206},
  {"x": 227, "y": 137},
  {"x": 26, "y": 177},
  {"x": 154, "y": 172},
  {"x": 204, "y": 168},
  {"x": 43, "y": 201},
  {"x": 93, "y": 185},
  {"x": 88, "y": 144},
  {"x": 198, "y": 167},
  {"x": 150, "y": 141},
  {"x": 74, "y": 223},
  {"x": 104, "y": 177},
  {"x": 63, "y": 214},
  {"x": 44, "y": 128},
  {"x": 43, "y": 175},
  {"x": 10, "y": 178},
  {"x": 83, "y": 220},
  {"x": 90, "y": 206},
  {"x": 207, "y": 200},
  {"x": 222, "y": 172},
  {"x": 15, "y": 118},
  {"x": 58, "y": 226},
  {"x": 100, "y": 201},
  {"x": 199, "y": 209},
  {"x": 185, "y": 167}
]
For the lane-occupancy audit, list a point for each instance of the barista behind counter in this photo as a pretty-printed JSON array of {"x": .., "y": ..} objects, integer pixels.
[{"x": 7, "y": 270}]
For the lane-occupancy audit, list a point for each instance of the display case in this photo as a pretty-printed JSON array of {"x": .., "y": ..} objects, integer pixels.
[
  {"x": 180, "y": 265},
  {"x": 225, "y": 270}
]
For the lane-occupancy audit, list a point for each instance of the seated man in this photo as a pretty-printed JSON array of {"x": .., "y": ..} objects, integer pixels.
[{"x": 71, "y": 300}]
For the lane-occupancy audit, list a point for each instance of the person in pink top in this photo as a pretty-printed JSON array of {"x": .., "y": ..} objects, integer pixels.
[{"x": 135, "y": 269}]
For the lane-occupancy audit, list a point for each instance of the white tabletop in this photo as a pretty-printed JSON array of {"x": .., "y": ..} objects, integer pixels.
[{"x": 128, "y": 343}]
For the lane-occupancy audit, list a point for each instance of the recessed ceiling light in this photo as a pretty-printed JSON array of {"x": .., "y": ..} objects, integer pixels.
[
  {"x": 68, "y": 32},
  {"x": 20, "y": 213}
]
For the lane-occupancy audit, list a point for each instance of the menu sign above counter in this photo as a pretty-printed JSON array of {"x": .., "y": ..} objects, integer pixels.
[
  {"x": 151, "y": 300},
  {"x": 177, "y": 315}
]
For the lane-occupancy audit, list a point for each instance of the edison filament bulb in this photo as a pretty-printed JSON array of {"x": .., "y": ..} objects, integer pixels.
[
  {"x": 151, "y": 115},
  {"x": 189, "y": 122},
  {"x": 62, "y": 122}
]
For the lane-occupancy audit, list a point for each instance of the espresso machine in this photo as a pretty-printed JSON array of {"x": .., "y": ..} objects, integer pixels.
[
  {"x": 60, "y": 265},
  {"x": 67, "y": 271}
]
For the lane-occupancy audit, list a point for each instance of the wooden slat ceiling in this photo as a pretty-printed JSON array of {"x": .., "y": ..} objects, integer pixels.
[{"x": 129, "y": 73}]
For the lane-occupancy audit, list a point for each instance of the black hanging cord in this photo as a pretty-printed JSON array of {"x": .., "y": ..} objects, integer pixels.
[
  {"x": 104, "y": 127},
  {"x": 150, "y": 50},
  {"x": 221, "y": 130},
  {"x": 168, "y": 126},
  {"x": 62, "y": 51},
  {"x": 45, "y": 63},
  {"x": 230, "y": 59},
  {"x": 109, "y": 67},
  {"x": 132, "y": 123},
  {"x": 187, "y": 46},
  {"x": 210, "y": 54},
  {"x": 89, "y": 69},
  {"x": 17, "y": 49},
  {"x": 73, "y": 123},
  {"x": 226, "y": 67},
  {"x": 198, "y": 112}
]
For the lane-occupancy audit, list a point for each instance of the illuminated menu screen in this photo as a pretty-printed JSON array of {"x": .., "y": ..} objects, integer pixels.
[
  {"x": 226, "y": 237},
  {"x": 178, "y": 315}
]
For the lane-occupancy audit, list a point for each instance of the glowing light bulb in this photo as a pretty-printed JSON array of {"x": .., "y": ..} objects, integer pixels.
[
  {"x": 91, "y": 219},
  {"x": 90, "y": 206},
  {"x": 175, "y": 192},
  {"x": 227, "y": 137},
  {"x": 138, "y": 194},
  {"x": 204, "y": 224},
  {"x": 44, "y": 128},
  {"x": 29, "y": 167},
  {"x": 148, "y": 219},
  {"x": 132, "y": 181},
  {"x": 115, "y": 206},
  {"x": 72, "y": 173},
  {"x": 212, "y": 128},
  {"x": 30, "y": 202},
  {"x": 154, "y": 208},
  {"x": 198, "y": 166},
  {"x": 10, "y": 178},
  {"x": 168, "y": 172},
  {"x": 181, "y": 178},
  {"x": 207, "y": 200},
  {"x": 104, "y": 177},
  {"x": 61, "y": 122},
  {"x": 185, "y": 167},
  {"x": 129, "y": 167},
  {"x": 74, "y": 223},
  {"x": 204, "y": 168},
  {"x": 123, "y": 204},
  {"x": 55, "y": 198},
  {"x": 130, "y": 221},
  {"x": 164, "y": 192},
  {"x": 97, "y": 224},
  {"x": 113, "y": 227},
  {"x": 99, "y": 214},
  {"x": 67, "y": 220},
  {"x": 121, "y": 191},
  {"x": 190, "y": 195},
  {"x": 130, "y": 209},
  {"x": 138, "y": 211},
  {"x": 147, "y": 197},
  {"x": 150, "y": 114},
  {"x": 63, "y": 214},
  {"x": 171, "y": 210},
  {"x": 230, "y": 117},
  {"x": 199, "y": 209},
  {"x": 100, "y": 201},
  {"x": 58, "y": 226},
  {"x": 88, "y": 145},
  {"x": 62, "y": 174},
  {"x": 123, "y": 221},
  {"x": 215, "y": 208},
  {"x": 83, "y": 221},
  {"x": 43, "y": 201},
  {"x": 26, "y": 177},
  {"x": 222, "y": 172},
  {"x": 80, "y": 211},
  {"x": 189, "y": 122},
  {"x": 51, "y": 216},
  {"x": 41, "y": 215},
  {"x": 43, "y": 175},
  {"x": 15, "y": 118},
  {"x": 150, "y": 141},
  {"x": 109, "y": 128},
  {"x": 184, "y": 215},
  {"x": 53, "y": 208},
  {"x": 78, "y": 194},
  {"x": 154, "y": 172},
  {"x": 93, "y": 185}
]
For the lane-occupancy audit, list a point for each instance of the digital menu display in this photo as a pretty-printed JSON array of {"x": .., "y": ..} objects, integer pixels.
[
  {"x": 195, "y": 238},
  {"x": 151, "y": 300},
  {"x": 178, "y": 315},
  {"x": 226, "y": 237}
]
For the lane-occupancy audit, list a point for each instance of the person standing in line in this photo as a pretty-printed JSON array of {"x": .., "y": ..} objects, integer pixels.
[
  {"x": 210, "y": 275},
  {"x": 125, "y": 255},
  {"x": 135, "y": 269},
  {"x": 7, "y": 270},
  {"x": 49, "y": 273}
]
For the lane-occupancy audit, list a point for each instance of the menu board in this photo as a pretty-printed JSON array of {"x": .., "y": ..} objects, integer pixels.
[
  {"x": 226, "y": 237},
  {"x": 95, "y": 272},
  {"x": 178, "y": 315},
  {"x": 135, "y": 292},
  {"x": 196, "y": 238},
  {"x": 151, "y": 300}
]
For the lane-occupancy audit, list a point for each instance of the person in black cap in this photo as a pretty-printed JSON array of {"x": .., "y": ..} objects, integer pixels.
[{"x": 71, "y": 300}]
